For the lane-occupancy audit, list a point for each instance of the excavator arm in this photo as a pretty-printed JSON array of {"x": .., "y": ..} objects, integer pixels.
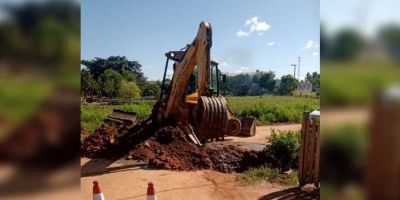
[
  {"x": 197, "y": 54},
  {"x": 199, "y": 113}
]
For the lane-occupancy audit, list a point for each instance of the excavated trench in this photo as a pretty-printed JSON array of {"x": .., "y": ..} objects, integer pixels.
[{"x": 167, "y": 148}]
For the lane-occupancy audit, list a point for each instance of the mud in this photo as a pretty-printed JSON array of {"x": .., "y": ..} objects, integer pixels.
[{"x": 167, "y": 148}]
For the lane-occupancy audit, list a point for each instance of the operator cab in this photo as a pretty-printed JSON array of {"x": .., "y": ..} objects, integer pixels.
[
  {"x": 213, "y": 86},
  {"x": 193, "y": 96}
]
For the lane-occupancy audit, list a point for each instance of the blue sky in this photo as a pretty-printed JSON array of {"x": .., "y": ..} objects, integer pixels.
[{"x": 247, "y": 35}]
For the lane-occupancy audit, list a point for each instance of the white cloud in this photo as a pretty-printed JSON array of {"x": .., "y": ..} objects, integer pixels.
[
  {"x": 244, "y": 68},
  {"x": 270, "y": 43},
  {"x": 253, "y": 25},
  {"x": 315, "y": 53},
  {"x": 311, "y": 44},
  {"x": 241, "y": 33},
  {"x": 238, "y": 71}
]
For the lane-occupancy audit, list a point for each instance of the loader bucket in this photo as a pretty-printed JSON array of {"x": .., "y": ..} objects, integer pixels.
[
  {"x": 124, "y": 118},
  {"x": 248, "y": 126}
]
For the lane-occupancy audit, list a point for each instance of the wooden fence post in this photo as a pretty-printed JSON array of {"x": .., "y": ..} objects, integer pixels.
[{"x": 309, "y": 151}]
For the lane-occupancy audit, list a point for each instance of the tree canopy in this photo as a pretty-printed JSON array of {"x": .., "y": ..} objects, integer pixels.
[
  {"x": 314, "y": 79},
  {"x": 105, "y": 76},
  {"x": 89, "y": 86},
  {"x": 45, "y": 32},
  {"x": 267, "y": 81},
  {"x": 287, "y": 85},
  {"x": 390, "y": 35},
  {"x": 110, "y": 81},
  {"x": 129, "y": 90},
  {"x": 130, "y": 70},
  {"x": 347, "y": 44}
]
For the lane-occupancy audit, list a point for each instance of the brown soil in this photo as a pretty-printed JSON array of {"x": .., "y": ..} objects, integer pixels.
[
  {"x": 47, "y": 138},
  {"x": 167, "y": 148}
]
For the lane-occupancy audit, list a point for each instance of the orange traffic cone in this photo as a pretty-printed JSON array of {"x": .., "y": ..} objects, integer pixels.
[
  {"x": 97, "y": 194},
  {"x": 150, "y": 192}
]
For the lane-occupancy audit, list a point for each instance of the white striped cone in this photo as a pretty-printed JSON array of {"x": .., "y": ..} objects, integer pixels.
[
  {"x": 151, "y": 195},
  {"x": 97, "y": 194}
]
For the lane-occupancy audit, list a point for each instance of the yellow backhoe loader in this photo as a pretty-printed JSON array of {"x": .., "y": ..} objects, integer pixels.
[{"x": 192, "y": 100}]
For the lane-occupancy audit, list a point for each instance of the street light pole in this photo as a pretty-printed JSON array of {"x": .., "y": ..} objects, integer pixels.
[{"x": 298, "y": 73}]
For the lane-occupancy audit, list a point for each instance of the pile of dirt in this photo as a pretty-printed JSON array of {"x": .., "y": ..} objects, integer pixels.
[
  {"x": 98, "y": 143},
  {"x": 230, "y": 158},
  {"x": 168, "y": 148}
]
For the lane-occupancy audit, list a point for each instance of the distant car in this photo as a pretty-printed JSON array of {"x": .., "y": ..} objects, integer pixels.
[{"x": 315, "y": 114}]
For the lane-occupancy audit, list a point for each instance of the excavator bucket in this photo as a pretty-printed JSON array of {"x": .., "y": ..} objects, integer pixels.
[
  {"x": 248, "y": 126},
  {"x": 122, "y": 118}
]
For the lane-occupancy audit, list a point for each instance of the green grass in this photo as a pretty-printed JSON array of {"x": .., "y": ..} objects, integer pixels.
[
  {"x": 305, "y": 94},
  {"x": 20, "y": 96},
  {"x": 355, "y": 83},
  {"x": 272, "y": 109},
  {"x": 267, "y": 109},
  {"x": 256, "y": 175}
]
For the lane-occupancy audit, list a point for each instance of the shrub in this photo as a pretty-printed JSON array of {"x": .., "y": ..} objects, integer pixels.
[
  {"x": 284, "y": 150},
  {"x": 129, "y": 90}
]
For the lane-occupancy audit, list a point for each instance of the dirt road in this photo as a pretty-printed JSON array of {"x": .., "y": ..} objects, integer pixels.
[
  {"x": 204, "y": 184},
  {"x": 335, "y": 117},
  {"x": 262, "y": 132},
  {"x": 125, "y": 180}
]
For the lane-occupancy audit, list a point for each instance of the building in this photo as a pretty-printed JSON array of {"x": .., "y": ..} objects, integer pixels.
[
  {"x": 304, "y": 86},
  {"x": 251, "y": 73}
]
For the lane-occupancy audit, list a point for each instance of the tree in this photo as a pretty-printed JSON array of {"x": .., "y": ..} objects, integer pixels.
[
  {"x": 288, "y": 84},
  {"x": 89, "y": 86},
  {"x": 241, "y": 84},
  {"x": 267, "y": 81},
  {"x": 347, "y": 44},
  {"x": 131, "y": 70},
  {"x": 324, "y": 43},
  {"x": 314, "y": 79},
  {"x": 151, "y": 89},
  {"x": 110, "y": 81},
  {"x": 46, "y": 33},
  {"x": 390, "y": 35},
  {"x": 238, "y": 85},
  {"x": 256, "y": 78},
  {"x": 129, "y": 90}
]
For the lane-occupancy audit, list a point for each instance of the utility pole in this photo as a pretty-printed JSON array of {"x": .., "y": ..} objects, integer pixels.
[
  {"x": 294, "y": 70},
  {"x": 298, "y": 72}
]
